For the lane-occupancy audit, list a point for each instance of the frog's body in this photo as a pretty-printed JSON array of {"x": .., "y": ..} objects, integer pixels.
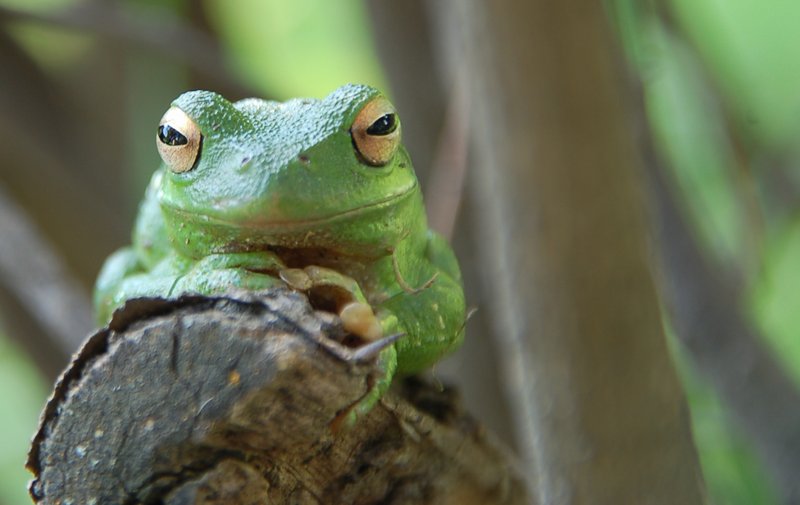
[{"x": 303, "y": 193}]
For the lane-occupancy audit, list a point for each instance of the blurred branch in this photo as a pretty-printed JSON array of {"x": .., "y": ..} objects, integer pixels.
[
  {"x": 48, "y": 173},
  {"x": 708, "y": 318},
  {"x": 163, "y": 33},
  {"x": 33, "y": 274}
]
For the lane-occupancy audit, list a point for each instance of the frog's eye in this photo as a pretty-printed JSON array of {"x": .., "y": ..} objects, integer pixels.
[
  {"x": 376, "y": 132},
  {"x": 178, "y": 140}
]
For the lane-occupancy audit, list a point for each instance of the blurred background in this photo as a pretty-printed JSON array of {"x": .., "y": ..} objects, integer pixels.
[{"x": 83, "y": 84}]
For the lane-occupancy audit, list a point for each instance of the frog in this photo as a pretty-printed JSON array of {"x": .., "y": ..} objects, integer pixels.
[{"x": 314, "y": 195}]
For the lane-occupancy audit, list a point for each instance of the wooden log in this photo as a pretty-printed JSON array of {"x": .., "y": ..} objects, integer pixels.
[{"x": 239, "y": 399}]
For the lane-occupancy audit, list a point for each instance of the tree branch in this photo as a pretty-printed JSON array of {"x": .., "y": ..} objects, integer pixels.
[{"x": 56, "y": 307}]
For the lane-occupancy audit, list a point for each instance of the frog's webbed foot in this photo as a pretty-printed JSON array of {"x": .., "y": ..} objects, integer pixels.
[{"x": 330, "y": 290}]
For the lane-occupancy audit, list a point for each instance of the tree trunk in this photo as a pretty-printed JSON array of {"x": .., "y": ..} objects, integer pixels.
[{"x": 599, "y": 410}]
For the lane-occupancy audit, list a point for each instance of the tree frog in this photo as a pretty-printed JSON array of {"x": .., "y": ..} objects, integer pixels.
[{"x": 316, "y": 195}]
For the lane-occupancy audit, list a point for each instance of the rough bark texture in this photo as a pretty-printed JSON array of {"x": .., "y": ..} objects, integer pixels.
[
  {"x": 598, "y": 404},
  {"x": 239, "y": 400}
]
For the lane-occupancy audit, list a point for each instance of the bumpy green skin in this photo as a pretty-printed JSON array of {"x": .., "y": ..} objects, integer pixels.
[{"x": 286, "y": 177}]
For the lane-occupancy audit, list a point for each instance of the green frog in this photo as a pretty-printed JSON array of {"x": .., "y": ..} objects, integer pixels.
[{"x": 316, "y": 195}]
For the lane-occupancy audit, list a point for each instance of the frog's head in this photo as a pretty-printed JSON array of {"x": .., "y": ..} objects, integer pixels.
[{"x": 328, "y": 174}]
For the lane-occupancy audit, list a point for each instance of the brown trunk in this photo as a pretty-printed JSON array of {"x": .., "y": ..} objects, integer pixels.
[{"x": 600, "y": 412}]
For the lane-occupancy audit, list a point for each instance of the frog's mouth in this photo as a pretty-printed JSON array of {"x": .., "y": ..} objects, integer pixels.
[
  {"x": 266, "y": 232},
  {"x": 315, "y": 222}
]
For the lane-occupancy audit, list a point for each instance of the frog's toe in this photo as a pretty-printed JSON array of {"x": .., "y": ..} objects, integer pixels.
[
  {"x": 359, "y": 319},
  {"x": 296, "y": 278}
]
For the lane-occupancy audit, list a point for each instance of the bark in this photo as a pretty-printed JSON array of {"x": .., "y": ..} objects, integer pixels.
[
  {"x": 598, "y": 405},
  {"x": 239, "y": 399}
]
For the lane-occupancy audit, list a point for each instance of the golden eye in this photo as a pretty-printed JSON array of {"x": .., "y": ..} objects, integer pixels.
[
  {"x": 376, "y": 132},
  {"x": 178, "y": 140}
]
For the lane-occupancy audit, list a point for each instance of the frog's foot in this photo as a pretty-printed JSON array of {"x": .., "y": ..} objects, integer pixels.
[
  {"x": 377, "y": 384},
  {"x": 330, "y": 290}
]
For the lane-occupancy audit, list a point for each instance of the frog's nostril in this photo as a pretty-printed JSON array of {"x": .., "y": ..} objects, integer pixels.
[
  {"x": 245, "y": 160},
  {"x": 304, "y": 159}
]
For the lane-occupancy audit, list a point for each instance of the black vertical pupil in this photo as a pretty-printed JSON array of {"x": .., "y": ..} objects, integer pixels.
[
  {"x": 384, "y": 125},
  {"x": 170, "y": 136}
]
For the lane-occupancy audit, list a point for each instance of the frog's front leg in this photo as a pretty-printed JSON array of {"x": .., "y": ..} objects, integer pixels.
[
  {"x": 217, "y": 273},
  {"x": 428, "y": 304},
  {"x": 422, "y": 325},
  {"x": 331, "y": 290},
  {"x": 378, "y": 384}
]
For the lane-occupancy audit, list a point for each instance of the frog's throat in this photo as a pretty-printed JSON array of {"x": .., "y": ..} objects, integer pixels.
[{"x": 289, "y": 225}]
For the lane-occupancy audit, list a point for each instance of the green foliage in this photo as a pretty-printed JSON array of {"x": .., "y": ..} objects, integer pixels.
[
  {"x": 750, "y": 49},
  {"x": 298, "y": 48},
  {"x": 23, "y": 393},
  {"x": 723, "y": 98},
  {"x": 775, "y": 300},
  {"x": 687, "y": 123},
  {"x": 51, "y": 48}
]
